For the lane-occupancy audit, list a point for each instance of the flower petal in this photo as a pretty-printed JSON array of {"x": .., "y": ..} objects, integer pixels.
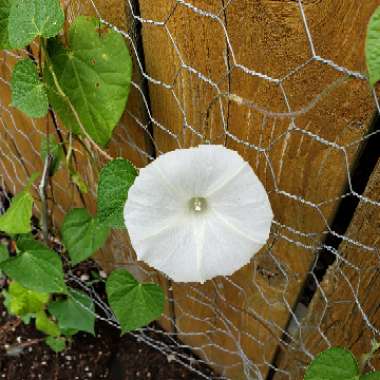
[
  {"x": 225, "y": 249},
  {"x": 244, "y": 204},
  {"x": 172, "y": 252},
  {"x": 191, "y": 246},
  {"x": 196, "y": 171},
  {"x": 152, "y": 204}
]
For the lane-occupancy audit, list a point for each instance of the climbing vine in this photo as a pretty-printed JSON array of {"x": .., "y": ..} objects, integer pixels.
[{"x": 83, "y": 77}]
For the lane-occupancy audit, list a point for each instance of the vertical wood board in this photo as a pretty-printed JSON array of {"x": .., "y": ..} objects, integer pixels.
[
  {"x": 301, "y": 160},
  {"x": 345, "y": 308}
]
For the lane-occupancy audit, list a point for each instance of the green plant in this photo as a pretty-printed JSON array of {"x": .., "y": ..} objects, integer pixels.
[
  {"x": 340, "y": 364},
  {"x": 83, "y": 76},
  {"x": 372, "y": 48}
]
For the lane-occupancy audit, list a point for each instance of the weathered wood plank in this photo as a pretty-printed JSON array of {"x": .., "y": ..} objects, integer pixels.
[
  {"x": 299, "y": 159},
  {"x": 345, "y": 308},
  {"x": 186, "y": 57},
  {"x": 185, "y": 107},
  {"x": 302, "y": 156}
]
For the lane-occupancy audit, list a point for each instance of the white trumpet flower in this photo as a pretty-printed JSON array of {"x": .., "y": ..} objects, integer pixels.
[{"x": 197, "y": 213}]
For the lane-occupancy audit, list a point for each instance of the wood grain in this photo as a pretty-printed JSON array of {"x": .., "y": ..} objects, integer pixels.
[
  {"x": 202, "y": 63},
  {"x": 345, "y": 309},
  {"x": 302, "y": 156},
  {"x": 186, "y": 56},
  {"x": 299, "y": 159}
]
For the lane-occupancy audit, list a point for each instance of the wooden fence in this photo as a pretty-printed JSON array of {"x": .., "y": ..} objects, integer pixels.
[{"x": 304, "y": 128}]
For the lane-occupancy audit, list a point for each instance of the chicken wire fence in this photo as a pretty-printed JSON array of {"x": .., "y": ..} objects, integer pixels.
[{"x": 252, "y": 76}]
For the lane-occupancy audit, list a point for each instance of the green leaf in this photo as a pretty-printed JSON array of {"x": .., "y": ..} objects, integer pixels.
[
  {"x": 134, "y": 304},
  {"x": 50, "y": 146},
  {"x": 372, "y": 48},
  {"x": 4, "y": 254},
  {"x": 75, "y": 312},
  {"x": 79, "y": 181},
  {"x": 23, "y": 301},
  {"x": 69, "y": 332},
  {"x": 115, "y": 180},
  {"x": 56, "y": 344},
  {"x": 94, "y": 72},
  {"x": 31, "y": 18},
  {"x": 5, "y": 8},
  {"x": 333, "y": 364},
  {"x": 16, "y": 220},
  {"x": 27, "y": 242},
  {"x": 82, "y": 235},
  {"x": 46, "y": 325},
  {"x": 27, "y": 318},
  {"x": 38, "y": 269},
  {"x": 371, "y": 376},
  {"x": 28, "y": 92}
]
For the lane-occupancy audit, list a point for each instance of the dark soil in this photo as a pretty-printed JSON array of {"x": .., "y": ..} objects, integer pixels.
[{"x": 23, "y": 356}]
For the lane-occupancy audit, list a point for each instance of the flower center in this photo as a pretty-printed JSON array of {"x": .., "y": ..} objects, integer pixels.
[{"x": 198, "y": 204}]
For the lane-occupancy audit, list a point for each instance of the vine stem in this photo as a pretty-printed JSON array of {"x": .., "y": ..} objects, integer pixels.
[
  {"x": 72, "y": 108},
  {"x": 42, "y": 193},
  {"x": 365, "y": 358},
  {"x": 26, "y": 344}
]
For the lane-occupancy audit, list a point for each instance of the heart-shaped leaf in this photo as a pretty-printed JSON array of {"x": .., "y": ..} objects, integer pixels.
[
  {"x": 31, "y": 18},
  {"x": 333, "y": 364},
  {"x": 75, "y": 312},
  {"x": 39, "y": 270},
  {"x": 134, "y": 304},
  {"x": 28, "y": 92},
  {"x": 82, "y": 235},
  {"x": 94, "y": 74},
  {"x": 372, "y": 49},
  {"x": 16, "y": 219},
  {"x": 115, "y": 180}
]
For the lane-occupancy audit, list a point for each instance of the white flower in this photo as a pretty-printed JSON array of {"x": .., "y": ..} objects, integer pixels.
[{"x": 197, "y": 213}]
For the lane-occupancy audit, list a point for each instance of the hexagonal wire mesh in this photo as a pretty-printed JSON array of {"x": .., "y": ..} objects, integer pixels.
[{"x": 283, "y": 83}]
